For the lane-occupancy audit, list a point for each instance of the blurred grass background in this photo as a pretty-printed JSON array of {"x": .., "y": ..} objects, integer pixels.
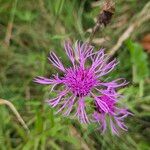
[{"x": 29, "y": 29}]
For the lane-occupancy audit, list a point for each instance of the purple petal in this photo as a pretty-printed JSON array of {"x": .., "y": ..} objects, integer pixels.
[
  {"x": 100, "y": 118},
  {"x": 115, "y": 83},
  {"x": 70, "y": 106},
  {"x": 83, "y": 51},
  {"x": 101, "y": 104},
  {"x": 113, "y": 128},
  {"x": 70, "y": 52},
  {"x": 121, "y": 124},
  {"x": 67, "y": 104},
  {"x": 97, "y": 59},
  {"x": 43, "y": 80},
  {"x": 55, "y": 101},
  {"x": 55, "y": 61},
  {"x": 105, "y": 69},
  {"x": 81, "y": 113}
]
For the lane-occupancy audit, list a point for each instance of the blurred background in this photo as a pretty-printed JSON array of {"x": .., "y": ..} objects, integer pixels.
[{"x": 29, "y": 29}]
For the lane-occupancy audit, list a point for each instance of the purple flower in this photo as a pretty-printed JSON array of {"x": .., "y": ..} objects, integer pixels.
[
  {"x": 106, "y": 106},
  {"x": 84, "y": 79}
]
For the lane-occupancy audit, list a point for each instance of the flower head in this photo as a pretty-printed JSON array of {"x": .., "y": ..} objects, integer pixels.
[
  {"x": 80, "y": 81},
  {"x": 84, "y": 79},
  {"x": 106, "y": 105}
]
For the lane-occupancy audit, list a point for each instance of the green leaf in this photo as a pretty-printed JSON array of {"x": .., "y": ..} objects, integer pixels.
[
  {"x": 138, "y": 60},
  {"x": 24, "y": 15},
  {"x": 58, "y": 6}
]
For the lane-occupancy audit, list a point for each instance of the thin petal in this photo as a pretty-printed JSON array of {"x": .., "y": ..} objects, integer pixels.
[
  {"x": 70, "y": 52},
  {"x": 101, "y": 104},
  {"x": 44, "y": 80},
  {"x": 105, "y": 69},
  {"x": 111, "y": 95},
  {"x": 97, "y": 59},
  {"x": 115, "y": 83},
  {"x": 55, "y": 101},
  {"x": 55, "y": 61},
  {"x": 83, "y": 51},
  {"x": 121, "y": 124},
  {"x": 122, "y": 112},
  {"x": 101, "y": 119},
  {"x": 81, "y": 113},
  {"x": 68, "y": 104},
  {"x": 113, "y": 128}
]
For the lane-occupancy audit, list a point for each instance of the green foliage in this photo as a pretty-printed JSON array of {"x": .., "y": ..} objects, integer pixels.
[
  {"x": 139, "y": 61},
  {"x": 37, "y": 27}
]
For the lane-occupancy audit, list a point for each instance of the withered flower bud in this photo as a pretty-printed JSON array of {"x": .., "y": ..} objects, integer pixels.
[{"x": 105, "y": 15}]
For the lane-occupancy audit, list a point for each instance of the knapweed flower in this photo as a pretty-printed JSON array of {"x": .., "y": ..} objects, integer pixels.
[
  {"x": 85, "y": 78},
  {"x": 106, "y": 106}
]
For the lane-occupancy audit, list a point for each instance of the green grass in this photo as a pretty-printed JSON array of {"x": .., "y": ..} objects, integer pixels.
[{"x": 38, "y": 27}]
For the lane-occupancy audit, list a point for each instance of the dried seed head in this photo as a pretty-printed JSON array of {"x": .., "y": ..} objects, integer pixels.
[
  {"x": 109, "y": 6},
  {"x": 104, "y": 17},
  {"x": 106, "y": 13}
]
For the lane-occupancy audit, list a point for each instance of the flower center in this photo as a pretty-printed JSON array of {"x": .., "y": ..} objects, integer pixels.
[{"x": 80, "y": 81}]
